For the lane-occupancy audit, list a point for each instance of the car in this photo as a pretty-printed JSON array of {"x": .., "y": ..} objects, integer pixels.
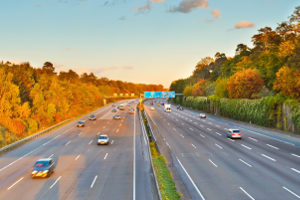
[
  {"x": 92, "y": 117},
  {"x": 179, "y": 107},
  {"x": 114, "y": 110},
  {"x": 43, "y": 168},
  {"x": 102, "y": 139},
  {"x": 234, "y": 133},
  {"x": 152, "y": 108},
  {"x": 114, "y": 105},
  {"x": 131, "y": 111},
  {"x": 80, "y": 124},
  {"x": 117, "y": 117},
  {"x": 202, "y": 115}
]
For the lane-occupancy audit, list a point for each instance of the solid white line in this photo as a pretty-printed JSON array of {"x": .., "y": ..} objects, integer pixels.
[
  {"x": 17, "y": 159},
  {"x": 246, "y": 147},
  {"x": 112, "y": 142},
  {"x": 219, "y": 146},
  {"x": 195, "y": 186},
  {"x": 291, "y": 192},
  {"x": 245, "y": 163},
  {"x": 134, "y": 163},
  {"x": 15, "y": 183},
  {"x": 194, "y": 146},
  {"x": 231, "y": 139},
  {"x": 105, "y": 156},
  {"x": 191, "y": 129},
  {"x": 181, "y": 135},
  {"x": 77, "y": 157},
  {"x": 55, "y": 182},
  {"x": 268, "y": 157},
  {"x": 295, "y": 170},
  {"x": 273, "y": 146},
  {"x": 167, "y": 144},
  {"x": 212, "y": 163},
  {"x": 292, "y": 155},
  {"x": 92, "y": 185},
  {"x": 247, "y": 193},
  {"x": 255, "y": 140},
  {"x": 51, "y": 155},
  {"x": 218, "y": 133},
  {"x": 202, "y": 135},
  {"x": 90, "y": 142},
  {"x": 67, "y": 143},
  {"x": 208, "y": 129}
]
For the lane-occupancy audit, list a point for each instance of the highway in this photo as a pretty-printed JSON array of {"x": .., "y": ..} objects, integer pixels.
[
  {"x": 84, "y": 170},
  {"x": 259, "y": 166}
]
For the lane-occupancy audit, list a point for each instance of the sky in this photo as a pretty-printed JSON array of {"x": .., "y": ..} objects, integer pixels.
[{"x": 141, "y": 41}]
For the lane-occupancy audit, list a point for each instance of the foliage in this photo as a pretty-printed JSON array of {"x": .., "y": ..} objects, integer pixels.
[
  {"x": 188, "y": 91},
  {"x": 273, "y": 49},
  {"x": 198, "y": 88},
  {"x": 244, "y": 84},
  {"x": 34, "y": 98},
  {"x": 288, "y": 82}
]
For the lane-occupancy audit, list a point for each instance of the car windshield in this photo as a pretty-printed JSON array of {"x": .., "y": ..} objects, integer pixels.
[
  {"x": 92, "y": 116},
  {"x": 102, "y": 137},
  {"x": 41, "y": 163},
  {"x": 236, "y": 131},
  {"x": 80, "y": 122}
]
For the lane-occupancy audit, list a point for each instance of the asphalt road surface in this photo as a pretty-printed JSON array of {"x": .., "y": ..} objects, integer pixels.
[
  {"x": 259, "y": 166},
  {"x": 84, "y": 170}
]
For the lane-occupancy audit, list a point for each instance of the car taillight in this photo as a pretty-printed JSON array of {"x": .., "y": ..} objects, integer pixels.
[{"x": 239, "y": 134}]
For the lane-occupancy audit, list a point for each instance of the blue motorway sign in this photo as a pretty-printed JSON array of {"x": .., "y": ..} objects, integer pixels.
[
  {"x": 170, "y": 94},
  {"x": 153, "y": 94}
]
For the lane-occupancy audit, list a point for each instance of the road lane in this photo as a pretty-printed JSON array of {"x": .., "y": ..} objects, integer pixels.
[{"x": 232, "y": 172}]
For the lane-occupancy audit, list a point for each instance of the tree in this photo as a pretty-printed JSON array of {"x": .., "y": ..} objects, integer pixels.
[
  {"x": 288, "y": 82},
  {"x": 48, "y": 68},
  {"x": 198, "y": 88},
  {"x": 244, "y": 83},
  {"x": 221, "y": 87},
  {"x": 187, "y": 91}
]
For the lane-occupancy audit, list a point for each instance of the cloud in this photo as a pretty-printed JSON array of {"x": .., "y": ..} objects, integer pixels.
[
  {"x": 128, "y": 67},
  {"x": 187, "y": 6},
  {"x": 143, "y": 8},
  {"x": 244, "y": 24},
  {"x": 216, "y": 13},
  {"x": 157, "y": 1}
]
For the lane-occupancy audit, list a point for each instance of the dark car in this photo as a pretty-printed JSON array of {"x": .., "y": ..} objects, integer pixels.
[
  {"x": 43, "y": 168},
  {"x": 117, "y": 117},
  {"x": 80, "y": 124},
  {"x": 92, "y": 117}
]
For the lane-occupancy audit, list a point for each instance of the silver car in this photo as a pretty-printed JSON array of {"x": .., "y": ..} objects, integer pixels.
[
  {"x": 234, "y": 133},
  {"x": 102, "y": 139}
]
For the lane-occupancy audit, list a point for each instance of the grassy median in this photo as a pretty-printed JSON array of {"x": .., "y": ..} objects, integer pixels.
[{"x": 163, "y": 175}]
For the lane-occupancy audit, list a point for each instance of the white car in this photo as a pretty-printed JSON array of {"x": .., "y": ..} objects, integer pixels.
[
  {"x": 202, "y": 115},
  {"x": 152, "y": 108},
  {"x": 234, "y": 133},
  {"x": 102, "y": 139}
]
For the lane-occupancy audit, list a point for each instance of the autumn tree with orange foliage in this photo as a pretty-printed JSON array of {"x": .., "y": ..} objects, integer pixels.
[
  {"x": 288, "y": 82},
  {"x": 244, "y": 83},
  {"x": 198, "y": 88}
]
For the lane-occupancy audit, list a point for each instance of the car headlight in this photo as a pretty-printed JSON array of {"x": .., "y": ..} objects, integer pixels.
[
  {"x": 45, "y": 172},
  {"x": 34, "y": 172}
]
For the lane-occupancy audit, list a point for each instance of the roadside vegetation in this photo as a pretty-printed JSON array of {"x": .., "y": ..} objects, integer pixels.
[
  {"x": 166, "y": 183},
  {"x": 32, "y": 99},
  {"x": 260, "y": 85}
]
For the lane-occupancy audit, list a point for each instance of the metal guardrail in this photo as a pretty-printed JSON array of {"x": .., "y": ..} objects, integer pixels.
[
  {"x": 152, "y": 166},
  {"x": 22, "y": 141}
]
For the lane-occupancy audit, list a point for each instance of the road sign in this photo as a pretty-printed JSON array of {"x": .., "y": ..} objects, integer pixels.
[
  {"x": 170, "y": 94},
  {"x": 153, "y": 94}
]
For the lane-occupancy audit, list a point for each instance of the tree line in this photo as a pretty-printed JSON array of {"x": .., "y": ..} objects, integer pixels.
[
  {"x": 34, "y": 98},
  {"x": 271, "y": 67}
]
